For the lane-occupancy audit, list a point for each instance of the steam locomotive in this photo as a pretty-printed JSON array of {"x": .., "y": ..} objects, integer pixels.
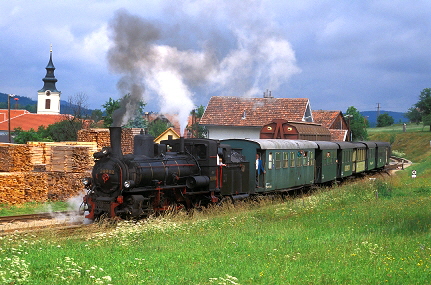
[{"x": 187, "y": 173}]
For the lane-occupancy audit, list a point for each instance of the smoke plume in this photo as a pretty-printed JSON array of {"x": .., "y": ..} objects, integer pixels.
[{"x": 170, "y": 66}]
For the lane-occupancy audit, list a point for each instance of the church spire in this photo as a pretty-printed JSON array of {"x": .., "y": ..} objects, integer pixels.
[
  {"x": 48, "y": 98},
  {"x": 49, "y": 80}
]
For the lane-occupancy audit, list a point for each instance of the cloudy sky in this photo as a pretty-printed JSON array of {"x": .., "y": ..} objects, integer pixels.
[{"x": 180, "y": 53}]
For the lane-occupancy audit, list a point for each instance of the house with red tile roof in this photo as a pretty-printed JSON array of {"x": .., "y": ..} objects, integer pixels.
[
  {"x": 48, "y": 108},
  {"x": 26, "y": 121},
  {"x": 335, "y": 122},
  {"x": 235, "y": 117}
]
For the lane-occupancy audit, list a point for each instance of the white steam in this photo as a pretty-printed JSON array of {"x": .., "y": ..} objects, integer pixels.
[{"x": 255, "y": 60}]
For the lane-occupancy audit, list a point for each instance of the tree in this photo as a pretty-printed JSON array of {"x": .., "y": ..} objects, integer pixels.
[
  {"x": 96, "y": 115},
  {"x": 384, "y": 120},
  {"x": 423, "y": 107},
  {"x": 426, "y": 120},
  {"x": 158, "y": 126},
  {"x": 77, "y": 105},
  {"x": 111, "y": 106},
  {"x": 197, "y": 130},
  {"x": 66, "y": 130},
  {"x": 357, "y": 123},
  {"x": 23, "y": 137},
  {"x": 414, "y": 115}
]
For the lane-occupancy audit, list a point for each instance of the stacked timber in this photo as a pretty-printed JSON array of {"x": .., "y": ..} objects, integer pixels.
[
  {"x": 62, "y": 186},
  {"x": 79, "y": 159},
  {"x": 21, "y": 187},
  {"x": 101, "y": 137},
  {"x": 15, "y": 157},
  {"x": 70, "y": 159}
]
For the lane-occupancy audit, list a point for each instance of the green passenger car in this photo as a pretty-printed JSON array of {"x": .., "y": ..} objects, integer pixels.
[
  {"x": 288, "y": 163},
  {"x": 371, "y": 148},
  {"x": 326, "y": 161},
  {"x": 359, "y": 157},
  {"x": 345, "y": 159},
  {"x": 383, "y": 153}
]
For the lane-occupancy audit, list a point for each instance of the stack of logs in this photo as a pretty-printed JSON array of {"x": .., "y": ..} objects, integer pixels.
[
  {"x": 41, "y": 171},
  {"x": 101, "y": 137}
]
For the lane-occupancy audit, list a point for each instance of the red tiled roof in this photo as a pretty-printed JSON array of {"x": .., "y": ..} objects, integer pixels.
[
  {"x": 338, "y": 135},
  {"x": 235, "y": 111},
  {"x": 325, "y": 118},
  {"x": 26, "y": 120},
  {"x": 331, "y": 119}
]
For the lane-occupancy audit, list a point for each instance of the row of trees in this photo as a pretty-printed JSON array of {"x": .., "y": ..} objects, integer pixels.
[
  {"x": 67, "y": 129},
  {"x": 421, "y": 111}
]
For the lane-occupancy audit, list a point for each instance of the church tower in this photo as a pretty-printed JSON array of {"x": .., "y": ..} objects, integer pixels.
[{"x": 48, "y": 98}]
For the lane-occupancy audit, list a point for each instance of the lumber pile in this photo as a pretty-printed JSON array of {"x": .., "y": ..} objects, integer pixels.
[
  {"x": 101, "y": 137},
  {"x": 70, "y": 159},
  {"x": 62, "y": 186},
  {"x": 21, "y": 187},
  {"x": 62, "y": 156},
  {"x": 15, "y": 157}
]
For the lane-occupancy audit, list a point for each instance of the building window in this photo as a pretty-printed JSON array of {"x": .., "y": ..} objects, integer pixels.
[
  {"x": 285, "y": 159},
  {"x": 48, "y": 104},
  {"x": 277, "y": 160}
]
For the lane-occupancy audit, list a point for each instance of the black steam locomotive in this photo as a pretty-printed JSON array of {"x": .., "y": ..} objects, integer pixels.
[
  {"x": 174, "y": 174},
  {"x": 189, "y": 173}
]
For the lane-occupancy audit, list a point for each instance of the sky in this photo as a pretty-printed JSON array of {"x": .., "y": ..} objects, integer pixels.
[{"x": 175, "y": 55}]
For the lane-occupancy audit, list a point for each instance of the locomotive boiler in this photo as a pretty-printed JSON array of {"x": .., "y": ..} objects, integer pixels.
[{"x": 174, "y": 174}]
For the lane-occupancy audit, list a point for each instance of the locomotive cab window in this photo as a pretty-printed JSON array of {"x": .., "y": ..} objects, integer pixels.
[{"x": 201, "y": 151}]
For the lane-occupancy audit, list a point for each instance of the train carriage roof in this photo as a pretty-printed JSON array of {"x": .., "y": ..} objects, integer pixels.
[
  {"x": 278, "y": 143},
  {"x": 327, "y": 145},
  {"x": 345, "y": 145},
  {"x": 359, "y": 145},
  {"x": 369, "y": 144},
  {"x": 382, "y": 144}
]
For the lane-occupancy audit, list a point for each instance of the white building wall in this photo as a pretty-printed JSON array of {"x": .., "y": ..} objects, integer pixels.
[
  {"x": 226, "y": 132},
  {"x": 55, "y": 103}
]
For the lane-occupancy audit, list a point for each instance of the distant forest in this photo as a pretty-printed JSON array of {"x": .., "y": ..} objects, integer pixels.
[
  {"x": 371, "y": 116},
  {"x": 31, "y": 105}
]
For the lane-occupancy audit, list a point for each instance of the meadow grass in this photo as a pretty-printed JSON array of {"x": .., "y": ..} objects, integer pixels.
[
  {"x": 32, "y": 208},
  {"x": 365, "y": 232}
]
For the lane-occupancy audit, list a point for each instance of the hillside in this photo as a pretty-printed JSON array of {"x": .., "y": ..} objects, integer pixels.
[
  {"x": 31, "y": 105},
  {"x": 372, "y": 117}
]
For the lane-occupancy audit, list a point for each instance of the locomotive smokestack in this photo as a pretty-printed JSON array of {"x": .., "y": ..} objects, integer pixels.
[
  {"x": 181, "y": 144},
  {"x": 115, "y": 137}
]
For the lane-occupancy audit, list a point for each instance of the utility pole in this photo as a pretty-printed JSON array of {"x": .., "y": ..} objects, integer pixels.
[{"x": 378, "y": 112}]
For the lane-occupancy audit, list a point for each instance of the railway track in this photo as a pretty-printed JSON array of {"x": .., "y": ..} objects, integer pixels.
[
  {"x": 398, "y": 163},
  {"x": 31, "y": 217},
  {"x": 63, "y": 221}
]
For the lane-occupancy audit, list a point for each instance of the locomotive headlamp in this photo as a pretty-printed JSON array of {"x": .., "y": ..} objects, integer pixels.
[
  {"x": 129, "y": 183},
  {"x": 86, "y": 181}
]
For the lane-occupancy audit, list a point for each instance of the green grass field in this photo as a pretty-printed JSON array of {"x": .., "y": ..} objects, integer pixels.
[{"x": 364, "y": 232}]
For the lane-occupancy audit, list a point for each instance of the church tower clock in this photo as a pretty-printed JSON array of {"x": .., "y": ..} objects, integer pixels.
[{"x": 48, "y": 98}]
